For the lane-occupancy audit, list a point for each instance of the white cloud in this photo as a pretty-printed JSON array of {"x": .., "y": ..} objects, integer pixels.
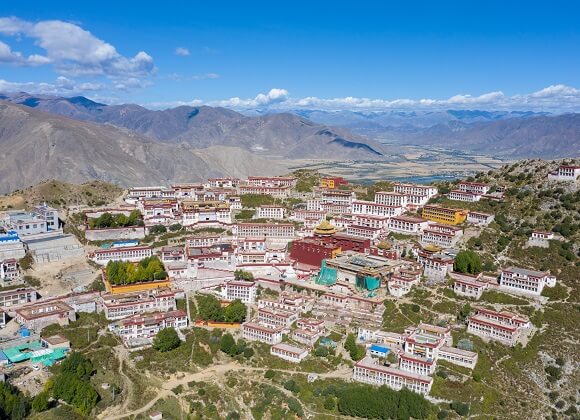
[
  {"x": 15, "y": 57},
  {"x": 555, "y": 98},
  {"x": 274, "y": 96},
  {"x": 61, "y": 86},
  {"x": 183, "y": 52},
  {"x": 75, "y": 51}
]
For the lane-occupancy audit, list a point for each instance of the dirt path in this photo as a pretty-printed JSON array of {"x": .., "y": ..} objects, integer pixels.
[{"x": 205, "y": 374}]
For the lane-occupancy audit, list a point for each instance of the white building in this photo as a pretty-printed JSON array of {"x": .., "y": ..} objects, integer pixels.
[
  {"x": 369, "y": 372},
  {"x": 435, "y": 266},
  {"x": 504, "y": 327},
  {"x": 270, "y": 212},
  {"x": 341, "y": 198},
  {"x": 272, "y": 181},
  {"x": 306, "y": 337},
  {"x": 520, "y": 280},
  {"x": 478, "y": 218},
  {"x": 468, "y": 285},
  {"x": 401, "y": 283},
  {"x": 130, "y": 253},
  {"x": 367, "y": 232},
  {"x": 276, "y": 192},
  {"x": 223, "y": 182},
  {"x": 369, "y": 208},
  {"x": 287, "y": 352},
  {"x": 433, "y": 236},
  {"x": 10, "y": 272},
  {"x": 119, "y": 306},
  {"x": 256, "y": 332},
  {"x": 540, "y": 239},
  {"x": 408, "y": 225},
  {"x": 16, "y": 297},
  {"x": 270, "y": 230},
  {"x": 565, "y": 173},
  {"x": 276, "y": 318},
  {"x": 391, "y": 199},
  {"x": 473, "y": 187},
  {"x": 458, "y": 195},
  {"x": 202, "y": 241},
  {"x": 147, "y": 326},
  {"x": 457, "y": 356},
  {"x": 242, "y": 290},
  {"x": 205, "y": 213},
  {"x": 415, "y": 189}
]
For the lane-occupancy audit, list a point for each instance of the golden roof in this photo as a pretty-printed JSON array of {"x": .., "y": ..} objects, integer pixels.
[
  {"x": 325, "y": 228},
  {"x": 432, "y": 248},
  {"x": 384, "y": 245}
]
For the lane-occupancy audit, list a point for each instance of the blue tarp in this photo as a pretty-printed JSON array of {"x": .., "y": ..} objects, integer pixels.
[{"x": 375, "y": 348}]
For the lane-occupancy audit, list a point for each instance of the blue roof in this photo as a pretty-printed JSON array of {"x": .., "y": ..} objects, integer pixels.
[
  {"x": 379, "y": 349},
  {"x": 3, "y": 356}
]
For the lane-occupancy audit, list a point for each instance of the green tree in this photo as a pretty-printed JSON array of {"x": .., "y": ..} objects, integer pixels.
[
  {"x": 468, "y": 262},
  {"x": 460, "y": 408},
  {"x": 166, "y": 340},
  {"x": 243, "y": 275},
  {"x": 357, "y": 352},
  {"x": 175, "y": 227},
  {"x": 329, "y": 403},
  {"x": 228, "y": 345},
  {"x": 41, "y": 402},
  {"x": 235, "y": 311},
  {"x": 209, "y": 308},
  {"x": 157, "y": 229}
]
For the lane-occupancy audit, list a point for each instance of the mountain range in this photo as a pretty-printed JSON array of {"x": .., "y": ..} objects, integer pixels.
[
  {"x": 77, "y": 139},
  {"x": 505, "y": 134},
  {"x": 277, "y": 135},
  {"x": 35, "y": 146}
]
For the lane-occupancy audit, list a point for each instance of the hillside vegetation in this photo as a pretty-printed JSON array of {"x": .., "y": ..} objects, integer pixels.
[{"x": 61, "y": 194}]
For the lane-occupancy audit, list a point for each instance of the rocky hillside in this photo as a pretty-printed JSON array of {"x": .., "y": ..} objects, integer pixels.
[
  {"x": 278, "y": 135},
  {"x": 35, "y": 146},
  {"x": 60, "y": 194}
]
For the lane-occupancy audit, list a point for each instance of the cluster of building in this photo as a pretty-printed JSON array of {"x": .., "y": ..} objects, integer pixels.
[
  {"x": 283, "y": 315},
  {"x": 416, "y": 352}
]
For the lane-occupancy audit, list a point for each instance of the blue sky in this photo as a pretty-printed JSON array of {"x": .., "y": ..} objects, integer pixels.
[{"x": 507, "y": 54}]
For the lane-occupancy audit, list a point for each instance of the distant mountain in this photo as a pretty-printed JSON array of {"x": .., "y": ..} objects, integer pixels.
[
  {"x": 513, "y": 134},
  {"x": 276, "y": 135},
  {"x": 538, "y": 136},
  {"x": 35, "y": 146},
  {"x": 364, "y": 122}
]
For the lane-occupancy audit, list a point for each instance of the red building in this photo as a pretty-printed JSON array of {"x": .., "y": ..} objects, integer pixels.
[{"x": 326, "y": 243}]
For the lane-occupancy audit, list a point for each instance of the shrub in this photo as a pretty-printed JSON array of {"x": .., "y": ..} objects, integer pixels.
[
  {"x": 292, "y": 386},
  {"x": 248, "y": 352},
  {"x": 157, "y": 229},
  {"x": 269, "y": 374},
  {"x": 321, "y": 352},
  {"x": 228, "y": 345},
  {"x": 554, "y": 372},
  {"x": 166, "y": 340},
  {"x": 460, "y": 408},
  {"x": 41, "y": 402},
  {"x": 329, "y": 403},
  {"x": 175, "y": 227}
]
